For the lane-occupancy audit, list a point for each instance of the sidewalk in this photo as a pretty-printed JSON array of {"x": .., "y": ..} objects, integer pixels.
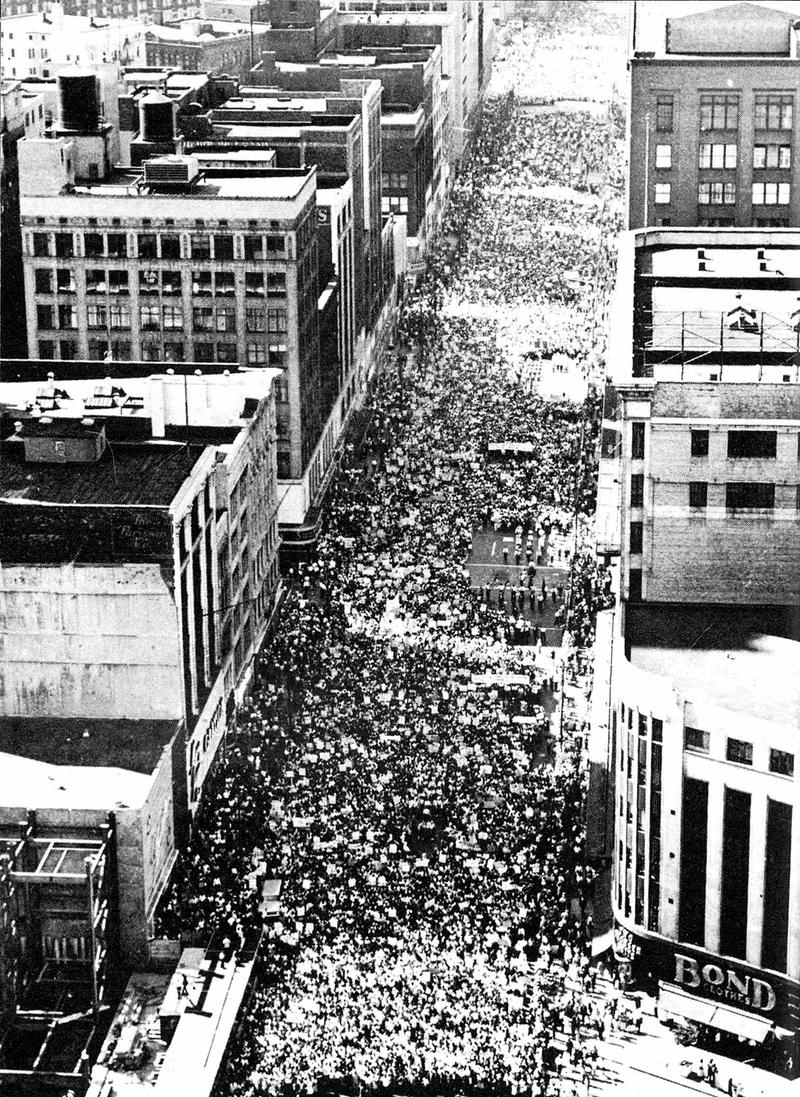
[{"x": 652, "y": 1064}]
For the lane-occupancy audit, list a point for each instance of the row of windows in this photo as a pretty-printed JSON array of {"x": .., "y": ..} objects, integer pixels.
[
  {"x": 720, "y": 111},
  {"x": 737, "y": 750},
  {"x": 97, "y": 245},
  {"x": 220, "y": 283},
  {"x": 222, "y": 318},
  {"x": 724, "y": 194},
  {"x": 741, "y": 443},
  {"x": 744, "y": 495},
  {"x": 395, "y": 180},
  {"x": 169, "y": 351},
  {"x": 392, "y": 203},
  {"x": 726, "y": 156}
]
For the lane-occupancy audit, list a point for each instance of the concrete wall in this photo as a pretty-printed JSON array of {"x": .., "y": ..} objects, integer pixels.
[
  {"x": 88, "y": 640},
  {"x": 712, "y": 555}
]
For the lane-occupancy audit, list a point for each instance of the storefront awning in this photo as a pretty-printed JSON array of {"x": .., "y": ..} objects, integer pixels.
[{"x": 705, "y": 1012}]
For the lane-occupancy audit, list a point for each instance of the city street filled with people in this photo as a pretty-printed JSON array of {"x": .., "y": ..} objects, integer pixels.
[{"x": 401, "y": 806}]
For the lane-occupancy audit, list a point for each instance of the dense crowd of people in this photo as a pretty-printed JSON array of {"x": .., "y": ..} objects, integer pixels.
[{"x": 397, "y": 808}]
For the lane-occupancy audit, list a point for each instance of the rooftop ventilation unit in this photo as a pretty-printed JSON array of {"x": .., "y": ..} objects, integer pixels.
[
  {"x": 171, "y": 171},
  {"x": 63, "y": 441}
]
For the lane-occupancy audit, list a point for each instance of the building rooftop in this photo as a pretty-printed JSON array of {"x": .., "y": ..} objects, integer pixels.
[
  {"x": 131, "y": 745},
  {"x": 278, "y": 184},
  {"x": 202, "y": 30},
  {"x": 741, "y": 658},
  {"x": 148, "y": 474},
  {"x": 700, "y": 30},
  {"x": 714, "y": 304}
]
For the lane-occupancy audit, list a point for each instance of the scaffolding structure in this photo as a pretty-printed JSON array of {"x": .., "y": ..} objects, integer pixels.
[
  {"x": 685, "y": 340},
  {"x": 57, "y": 938}
]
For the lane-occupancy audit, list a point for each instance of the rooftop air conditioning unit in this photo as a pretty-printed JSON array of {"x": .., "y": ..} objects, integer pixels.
[{"x": 171, "y": 170}]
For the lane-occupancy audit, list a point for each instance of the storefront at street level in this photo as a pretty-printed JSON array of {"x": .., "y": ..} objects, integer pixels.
[{"x": 724, "y": 994}]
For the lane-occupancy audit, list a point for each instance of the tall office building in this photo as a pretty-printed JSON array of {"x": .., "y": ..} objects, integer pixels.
[
  {"x": 168, "y": 263},
  {"x": 713, "y": 130},
  {"x": 696, "y": 705}
]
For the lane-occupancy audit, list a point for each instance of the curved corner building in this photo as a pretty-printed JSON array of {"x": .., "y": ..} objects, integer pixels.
[{"x": 696, "y": 708}]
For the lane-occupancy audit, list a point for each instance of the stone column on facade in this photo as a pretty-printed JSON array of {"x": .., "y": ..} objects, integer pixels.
[
  {"x": 755, "y": 890},
  {"x": 716, "y": 818}
]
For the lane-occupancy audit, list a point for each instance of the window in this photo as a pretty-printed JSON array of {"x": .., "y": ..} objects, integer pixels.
[
  {"x": 226, "y": 352},
  {"x": 93, "y": 245},
  {"x": 255, "y": 320},
  {"x": 202, "y": 284},
  {"x": 393, "y": 203},
  {"x": 772, "y": 156},
  {"x": 752, "y": 443},
  {"x": 67, "y": 316},
  {"x": 120, "y": 316},
  {"x": 637, "y": 441},
  {"x": 96, "y": 316},
  {"x": 781, "y": 761},
  {"x": 276, "y": 284},
  {"x": 95, "y": 280},
  {"x": 41, "y": 244},
  {"x": 45, "y": 316},
  {"x": 223, "y": 247},
  {"x": 253, "y": 247},
  {"x": 47, "y": 348},
  {"x": 637, "y": 490},
  {"x": 201, "y": 247},
  {"x": 170, "y": 281},
  {"x": 716, "y": 194},
  {"x": 717, "y": 156},
  {"x": 276, "y": 322},
  {"x": 774, "y": 112},
  {"x": 65, "y": 245},
  {"x": 657, "y": 729},
  {"x": 147, "y": 245},
  {"x": 65, "y": 280},
  {"x": 226, "y": 318},
  {"x": 749, "y": 496},
  {"x": 117, "y": 245},
  {"x": 663, "y": 194},
  {"x": 635, "y": 585},
  {"x": 697, "y": 740},
  {"x": 148, "y": 281},
  {"x": 203, "y": 319},
  {"x": 44, "y": 280},
  {"x": 149, "y": 317},
  {"x": 173, "y": 318},
  {"x": 719, "y": 112},
  {"x": 699, "y": 443},
  {"x": 68, "y": 349},
  {"x": 698, "y": 494},
  {"x": 254, "y": 284},
  {"x": 170, "y": 247},
  {"x": 256, "y": 354},
  {"x": 204, "y": 352},
  {"x": 771, "y": 194},
  {"x": 636, "y": 535},
  {"x": 276, "y": 245},
  {"x": 117, "y": 281},
  {"x": 739, "y": 751},
  {"x": 664, "y": 113},
  {"x": 224, "y": 283},
  {"x": 664, "y": 156}
]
